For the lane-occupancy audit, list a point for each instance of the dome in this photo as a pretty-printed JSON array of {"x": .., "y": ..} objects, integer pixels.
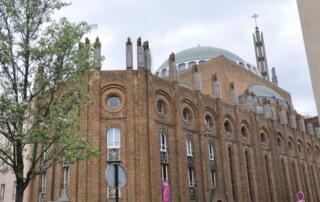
[
  {"x": 268, "y": 93},
  {"x": 263, "y": 91},
  {"x": 189, "y": 57}
]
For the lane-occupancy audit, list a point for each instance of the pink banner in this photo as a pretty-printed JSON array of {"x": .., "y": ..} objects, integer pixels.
[{"x": 165, "y": 191}]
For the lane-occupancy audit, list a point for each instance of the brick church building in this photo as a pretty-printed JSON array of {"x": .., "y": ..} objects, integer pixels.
[{"x": 207, "y": 126}]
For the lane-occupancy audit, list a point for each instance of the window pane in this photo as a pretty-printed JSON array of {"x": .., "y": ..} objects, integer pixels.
[
  {"x": 182, "y": 66},
  {"x": 190, "y": 64},
  {"x": 164, "y": 72},
  {"x": 113, "y": 101},
  {"x": 113, "y": 138}
]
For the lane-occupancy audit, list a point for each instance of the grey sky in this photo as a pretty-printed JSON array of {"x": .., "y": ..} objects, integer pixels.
[{"x": 174, "y": 25}]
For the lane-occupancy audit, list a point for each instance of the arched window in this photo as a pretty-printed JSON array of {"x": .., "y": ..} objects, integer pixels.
[
  {"x": 211, "y": 152},
  {"x": 113, "y": 138},
  {"x": 161, "y": 107},
  {"x": 263, "y": 138},
  {"x": 186, "y": 114},
  {"x": 279, "y": 141},
  {"x": 208, "y": 121},
  {"x": 182, "y": 66},
  {"x": 190, "y": 64},
  {"x": 244, "y": 132},
  {"x": 164, "y": 72},
  {"x": 189, "y": 147},
  {"x": 227, "y": 127},
  {"x": 202, "y": 61},
  {"x": 163, "y": 142}
]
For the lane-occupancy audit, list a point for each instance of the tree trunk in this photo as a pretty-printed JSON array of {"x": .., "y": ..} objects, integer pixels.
[{"x": 19, "y": 194}]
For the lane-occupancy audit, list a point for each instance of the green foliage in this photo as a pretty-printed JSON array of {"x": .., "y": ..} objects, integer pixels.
[{"x": 42, "y": 67}]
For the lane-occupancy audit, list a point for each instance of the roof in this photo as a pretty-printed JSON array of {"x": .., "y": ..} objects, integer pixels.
[
  {"x": 206, "y": 53},
  {"x": 202, "y": 52}
]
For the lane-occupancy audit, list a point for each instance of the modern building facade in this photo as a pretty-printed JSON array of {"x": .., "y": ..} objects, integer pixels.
[
  {"x": 208, "y": 126},
  {"x": 310, "y": 23}
]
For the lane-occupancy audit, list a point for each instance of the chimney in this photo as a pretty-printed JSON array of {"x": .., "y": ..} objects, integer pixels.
[
  {"x": 173, "y": 74},
  {"x": 129, "y": 54},
  {"x": 268, "y": 111},
  {"x": 302, "y": 125},
  {"x": 140, "y": 55},
  {"x": 147, "y": 55},
  {"x": 233, "y": 94},
  {"x": 310, "y": 129},
  {"x": 274, "y": 75},
  {"x": 283, "y": 118},
  {"x": 216, "y": 87},
  {"x": 197, "y": 78},
  {"x": 293, "y": 120},
  {"x": 97, "y": 53}
]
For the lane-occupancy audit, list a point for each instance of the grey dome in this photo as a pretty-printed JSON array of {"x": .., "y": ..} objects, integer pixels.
[
  {"x": 263, "y": 91},
  {"x": 205, "y": 53},
  {"x": 269, "y": 94}
]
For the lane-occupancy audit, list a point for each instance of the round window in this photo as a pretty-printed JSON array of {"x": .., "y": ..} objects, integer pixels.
[{"x": 113, "y": 102}]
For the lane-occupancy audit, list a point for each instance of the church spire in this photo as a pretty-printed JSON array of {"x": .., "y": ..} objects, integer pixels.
[{"x": 260, "y": 51}]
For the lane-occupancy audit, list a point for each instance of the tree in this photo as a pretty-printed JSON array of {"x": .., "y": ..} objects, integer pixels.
[{"x": 40, "y": 88}]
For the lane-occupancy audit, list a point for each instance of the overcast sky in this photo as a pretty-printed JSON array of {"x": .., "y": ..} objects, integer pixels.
[{"x": 174, "y": 25}]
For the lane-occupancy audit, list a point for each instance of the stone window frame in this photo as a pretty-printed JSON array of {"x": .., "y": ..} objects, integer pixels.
[
  {"x": 189, "y": 147},
  {"x": 247, "y": 136},
  {"x": 208, "y": 127},
  {"x": 228, "y": 128},
  {"x": 211, "y": 153},
  {"x": 110, "y": 92},
  {"x": 114, "y": 145},
  {"x": 189, "y": 114},
  {"x": 163, "y": 142},
  {"x": 114, "y": 96}
]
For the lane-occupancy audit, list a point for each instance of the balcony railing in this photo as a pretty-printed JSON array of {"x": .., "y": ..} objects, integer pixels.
[{"x": 113, "y": 155}]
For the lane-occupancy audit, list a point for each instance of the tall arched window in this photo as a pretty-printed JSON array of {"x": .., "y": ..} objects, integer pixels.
[
  {"x": 211, "y": 152},
  {"x": 189, "y": 147},
  {"x": 113, "y": 138},
  {"x": 163, "y": 142}
]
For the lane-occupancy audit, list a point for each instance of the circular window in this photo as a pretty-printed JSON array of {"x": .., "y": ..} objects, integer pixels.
[
  {"x": 208, "y": 120},
  {"x": 161, "y": 107},
  {"x": 186, "y": 114},
  {"x": 113, "y": 101}
]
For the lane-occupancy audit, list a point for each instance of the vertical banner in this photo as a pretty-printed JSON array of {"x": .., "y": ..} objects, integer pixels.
[{"x": 165, "y": 191}]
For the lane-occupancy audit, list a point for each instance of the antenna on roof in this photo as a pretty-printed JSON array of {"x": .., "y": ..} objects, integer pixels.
[{"x": 255, "y": 16}]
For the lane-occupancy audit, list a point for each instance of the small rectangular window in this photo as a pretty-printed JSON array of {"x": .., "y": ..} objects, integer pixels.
[
  {"x": 213, "y": 179},
  {"x": 14, "y": 191},
  {"x": 2, "y": 191},
  {"x": 191, "y": 176},
  {"x": 42, "y": 192},
  {"x": 66, "y": 178},
  {"x": 164, "y": 172}
]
